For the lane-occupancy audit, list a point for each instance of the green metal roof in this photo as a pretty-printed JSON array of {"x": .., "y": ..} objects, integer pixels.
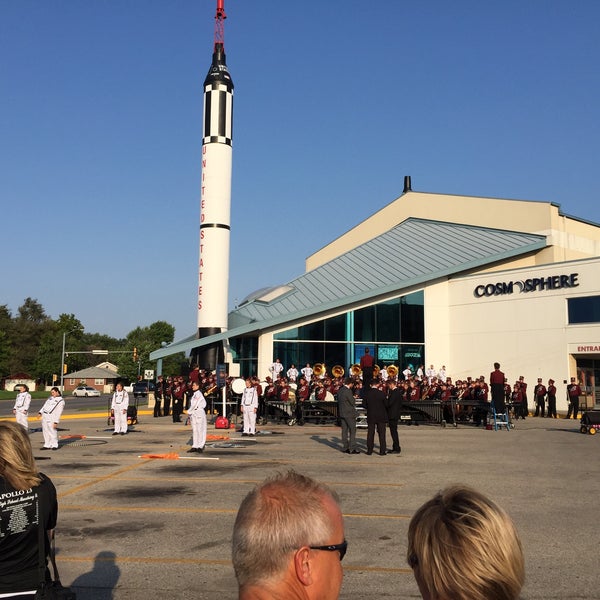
[{"x": 410, "y": 254}]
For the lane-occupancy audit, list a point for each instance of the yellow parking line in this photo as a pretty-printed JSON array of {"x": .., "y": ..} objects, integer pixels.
[
  {"x": 333, "y": 484},
  {"x": 188, "y": 510},
  {"x": 83, "y": 486},
  {"x": 206, "y": 561}
]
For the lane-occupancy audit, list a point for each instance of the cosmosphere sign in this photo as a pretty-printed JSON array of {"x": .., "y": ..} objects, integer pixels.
[{"x": 536, "y": 284}]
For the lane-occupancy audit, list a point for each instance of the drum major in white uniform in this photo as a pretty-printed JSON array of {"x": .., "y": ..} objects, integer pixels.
[
  {"x": 119, "y": 406},
  {"x": 197, "y": 417},
  {"x": 249, "y": 408},
  {"x": 50, "y": 414}
]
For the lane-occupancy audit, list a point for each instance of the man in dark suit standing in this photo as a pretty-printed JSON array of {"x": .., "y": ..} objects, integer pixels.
[
  {"x": 376, "y": 418},
  {"x": 347, "y": 413},
  {"x": 393, "y": 405}
]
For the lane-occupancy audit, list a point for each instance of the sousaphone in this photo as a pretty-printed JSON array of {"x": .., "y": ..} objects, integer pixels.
[
  {"x": 337, "y": 371},
  {"x": 319, "y": 370},
  {"x": 355, "y": 370},
  {"x": 392, "y": 371}
]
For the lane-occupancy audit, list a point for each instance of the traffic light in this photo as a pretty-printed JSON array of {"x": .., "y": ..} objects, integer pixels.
[
  {"x": 135, "y": 354},
  {"x": 64, "y": 369}
]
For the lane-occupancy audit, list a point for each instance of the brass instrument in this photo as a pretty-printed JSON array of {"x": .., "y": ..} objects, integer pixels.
[
  {"x": 319, "y": 370},
  {"x": 355, "y": 370},
  {"x": 376, "y": 370},
  {"x": 392, "y": 371},
  {"x": 337, "y": 371}
]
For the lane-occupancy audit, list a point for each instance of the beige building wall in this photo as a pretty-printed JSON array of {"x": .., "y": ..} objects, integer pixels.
[
  {"x": 570, "y": 238},
  {"x": 437, "y": 325},
  {"x": 527, "y": 333}
]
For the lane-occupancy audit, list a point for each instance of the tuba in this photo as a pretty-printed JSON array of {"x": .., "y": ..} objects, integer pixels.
[
  {"x": 376, "y": 370},
  {"x": 337, "y": 371},
  {"x": 319, "y": 370},
  {"x": 392, "y": 371},
  {"x": 355, "y": 370}
]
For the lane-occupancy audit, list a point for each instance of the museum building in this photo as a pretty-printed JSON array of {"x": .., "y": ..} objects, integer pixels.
[{"x": 459, "y": 281}]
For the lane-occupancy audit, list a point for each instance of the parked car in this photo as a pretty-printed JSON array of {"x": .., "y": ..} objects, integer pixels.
[
  {"x": 140, "y": 388},
  {"x": 85, "y": 390}
]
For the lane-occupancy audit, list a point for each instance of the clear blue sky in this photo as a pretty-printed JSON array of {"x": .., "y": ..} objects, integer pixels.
[{"x": 335, "y": 101}]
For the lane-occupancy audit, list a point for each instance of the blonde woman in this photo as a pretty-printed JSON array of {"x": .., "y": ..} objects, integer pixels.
[
  {"x": 463, "y": 546},
  {"x": 30, "y": 505}
]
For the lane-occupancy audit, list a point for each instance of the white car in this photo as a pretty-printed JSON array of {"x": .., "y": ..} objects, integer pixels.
[{"x": 85, "y": 390}]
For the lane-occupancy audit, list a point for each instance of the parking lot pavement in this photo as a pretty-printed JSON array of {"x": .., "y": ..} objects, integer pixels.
[{"x": 143, "y": 528}]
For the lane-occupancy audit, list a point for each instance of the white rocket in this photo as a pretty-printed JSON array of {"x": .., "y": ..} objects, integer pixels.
[{"x": 215, "y": 200}]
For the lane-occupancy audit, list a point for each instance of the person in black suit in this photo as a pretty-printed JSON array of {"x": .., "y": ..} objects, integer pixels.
[
  {"x": 347, "y": 413},
  {"x": 376, "y": 418},
  {"x": 393, "y": 405}
]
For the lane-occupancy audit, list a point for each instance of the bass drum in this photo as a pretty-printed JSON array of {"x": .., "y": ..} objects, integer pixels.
[
  {"x": 293, "y": 388},
  {"x": 238, "y": 385}
]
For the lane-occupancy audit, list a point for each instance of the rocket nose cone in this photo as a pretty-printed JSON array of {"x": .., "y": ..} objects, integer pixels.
[{"x": 218, "y": 72}]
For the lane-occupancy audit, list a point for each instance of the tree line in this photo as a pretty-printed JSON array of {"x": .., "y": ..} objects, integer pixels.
[{"x": 31, "y": 343}]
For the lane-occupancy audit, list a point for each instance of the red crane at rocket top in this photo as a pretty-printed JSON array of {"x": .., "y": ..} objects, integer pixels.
[{"x": 215, "y": 201}]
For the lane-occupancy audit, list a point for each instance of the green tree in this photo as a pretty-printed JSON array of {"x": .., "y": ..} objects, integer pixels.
[
  {"x": 6, "y": 326},
  {"x": 144, "y": 340},
  {"x": 29, "y": 327}
]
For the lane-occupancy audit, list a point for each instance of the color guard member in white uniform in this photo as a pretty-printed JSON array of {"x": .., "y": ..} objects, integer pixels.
[
  {"x": 22, "y": 406},
  {"x": 292, "y": 374},
  {"x": 197, "y": 417},
  {"x": 276, "y": 368},
  {"x": 249, "y": 408},
  {"x": 50, "y": 414},
  {"x": 307, "y": 372},
  {"x": 119, "y": 406}
]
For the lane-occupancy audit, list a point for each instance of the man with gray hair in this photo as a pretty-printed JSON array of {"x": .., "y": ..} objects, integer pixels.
[{"x": 288, "y": 540}]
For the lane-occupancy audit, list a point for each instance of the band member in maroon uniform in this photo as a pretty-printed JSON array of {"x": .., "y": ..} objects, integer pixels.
[
  {"x": 573, "y": 393},
  {"x": 158, "y": 395},
  {"x": 320, "y": 391},
  {"x": 178, "y": 395},
  {"x": 497, "y": 387},
  {"x": 414, "y": 391},
  {"x": 167, "y": 395},
  {"x": 516, "y": 399},
  {"x": 540, "y": 398},
  {"x": 367, "y": 362},
  {"x": 523, "y": 388},
  {"x": 284, "y": 390},
  {"x": 302, "y": 396},
  {"x": 551, "y": 399}
]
